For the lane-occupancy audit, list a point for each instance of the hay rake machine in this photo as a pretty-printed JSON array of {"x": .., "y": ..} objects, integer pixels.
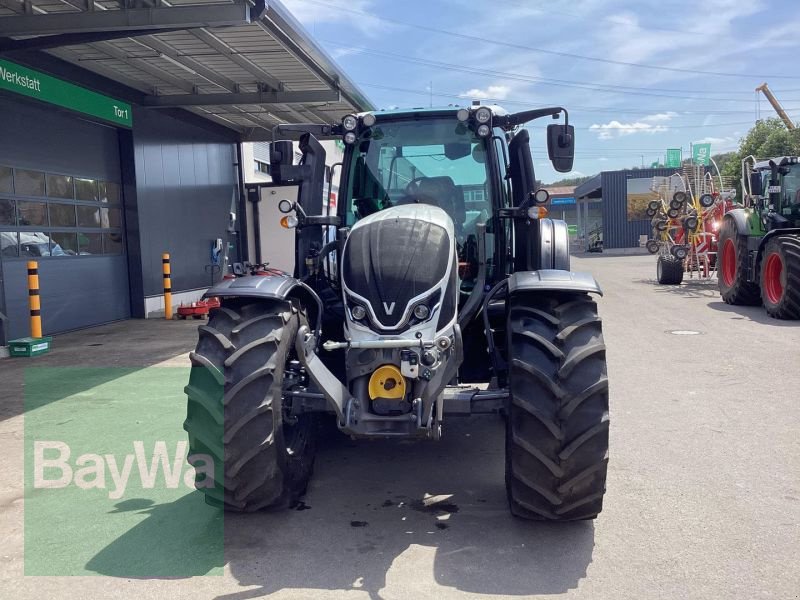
[{"x": 686, "y": 213}]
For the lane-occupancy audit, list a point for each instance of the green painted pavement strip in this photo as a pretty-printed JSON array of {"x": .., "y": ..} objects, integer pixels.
[{"x": 95, "y": 515}]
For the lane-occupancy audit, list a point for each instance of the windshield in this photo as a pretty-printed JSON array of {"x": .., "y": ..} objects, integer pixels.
[
  {"x": 435, "y": 161},
  {"x": 791, "y": 188}
]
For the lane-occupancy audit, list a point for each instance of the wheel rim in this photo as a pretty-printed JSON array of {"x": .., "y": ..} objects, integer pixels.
[
  {"x": 773, "y": 269},
  {"x": 728, "y": 263}
]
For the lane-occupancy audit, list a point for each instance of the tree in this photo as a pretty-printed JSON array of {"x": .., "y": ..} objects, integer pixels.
[
  {"x": 766, "y": 139},
  {"x": 576, "y": 181}
]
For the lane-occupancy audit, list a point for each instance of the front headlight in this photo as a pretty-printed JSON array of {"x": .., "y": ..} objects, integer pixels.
[
  {"x": 483, "y": 115},
  {"x": 349, "y": 123},
  {"x": 358, "y": 312},
  {"x": 421, "y": 312}
]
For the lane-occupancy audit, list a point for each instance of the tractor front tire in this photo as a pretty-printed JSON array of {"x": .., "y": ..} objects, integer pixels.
[
  {"x": 557, "y": 426},
  {"x": 669, "y": 270},
  {"x": 780, "y": 277},
  {"x": 235, "y": 412},
  {"x": 732, "y": 267}
]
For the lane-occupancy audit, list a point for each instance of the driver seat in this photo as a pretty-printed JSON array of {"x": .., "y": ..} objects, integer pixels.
[{"x": 442, "y": 192}]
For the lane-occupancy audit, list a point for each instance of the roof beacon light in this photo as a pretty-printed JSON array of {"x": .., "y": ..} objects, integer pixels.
[
  {"x": 368, "y": 120},
  {"x": 462, "y": 114},
  {"x": 349, "y": 123}
]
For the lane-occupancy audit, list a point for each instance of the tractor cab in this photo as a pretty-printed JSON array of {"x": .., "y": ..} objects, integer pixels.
[
  {"x": 775, "y": 191},
  {"x": 473, "y": 163}
]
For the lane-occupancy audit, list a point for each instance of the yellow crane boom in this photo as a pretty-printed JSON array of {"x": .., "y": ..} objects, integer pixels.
[{"x": 764, "y": 89}]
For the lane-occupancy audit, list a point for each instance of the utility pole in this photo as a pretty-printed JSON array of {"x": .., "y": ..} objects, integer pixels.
[{"x": 431, "y": 89}]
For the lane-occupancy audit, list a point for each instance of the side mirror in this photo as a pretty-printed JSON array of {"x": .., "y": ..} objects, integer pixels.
[
  {"x": 561, "y": 146},
  {"x": 281, "y": 154},
  {"x": 756, "y": 189}
]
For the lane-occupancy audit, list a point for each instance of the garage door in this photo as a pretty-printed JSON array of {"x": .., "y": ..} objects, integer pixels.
[{"x": 61, "y": 204}]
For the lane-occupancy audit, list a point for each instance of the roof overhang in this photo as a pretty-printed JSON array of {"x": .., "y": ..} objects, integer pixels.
[
  {"x": 245, "y": 66},
  {"x": 591, "y": 188}
]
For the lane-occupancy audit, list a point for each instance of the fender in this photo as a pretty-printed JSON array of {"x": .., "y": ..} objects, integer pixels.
[
  {"x": 552, "y": 280},
  {"x": 774, "y": 232},
  {"x": 739, "y": 216},
  {"x": 553, "y": 244},
  {"x": 271, "y": 287}
]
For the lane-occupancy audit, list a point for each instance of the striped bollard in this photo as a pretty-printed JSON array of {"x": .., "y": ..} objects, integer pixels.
[
  {"x": 34, "y": 301},
  {"x": 167, "y": 286}
]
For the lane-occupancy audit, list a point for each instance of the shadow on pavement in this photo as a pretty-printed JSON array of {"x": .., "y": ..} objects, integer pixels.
[
  {"x": 441, "y": 506},
  {"x": 177, "y": 539},
  {"x": 756, "y": 314},
  {"x": 126, "y": 345}
]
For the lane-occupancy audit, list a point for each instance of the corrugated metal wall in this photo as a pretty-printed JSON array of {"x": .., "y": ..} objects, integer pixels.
[
  {"x": 185, "y": 182},
  {"x": 618, "y": 232}
]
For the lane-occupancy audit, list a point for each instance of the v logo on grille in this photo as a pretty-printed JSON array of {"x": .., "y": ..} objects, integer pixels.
[{"x": 388, "y": 307}]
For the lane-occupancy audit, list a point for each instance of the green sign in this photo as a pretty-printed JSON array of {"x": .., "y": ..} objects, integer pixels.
[
  {"x": 28, "y": 82},
  {"x": 701, "y": 153},
  {"x": 673, "y": 157}
]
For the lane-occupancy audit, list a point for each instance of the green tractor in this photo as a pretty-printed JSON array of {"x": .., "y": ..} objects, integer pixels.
[
  {"x": 438, "y": 288},
  {"x": 759, "y": 244}
]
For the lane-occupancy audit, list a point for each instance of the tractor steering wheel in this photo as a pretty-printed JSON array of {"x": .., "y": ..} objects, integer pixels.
[{"x": 412, "y": 189}]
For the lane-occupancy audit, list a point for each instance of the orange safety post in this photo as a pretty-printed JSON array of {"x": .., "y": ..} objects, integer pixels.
[
  {"x": 34, "y": 302},
  {"x": 167, "y": 286}
]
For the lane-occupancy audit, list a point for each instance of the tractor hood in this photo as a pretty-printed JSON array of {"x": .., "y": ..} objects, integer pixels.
[{"x": 396, "y": 259}]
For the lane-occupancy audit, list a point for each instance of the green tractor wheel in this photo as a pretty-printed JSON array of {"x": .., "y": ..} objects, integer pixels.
[{"x": 780, "y": 277}]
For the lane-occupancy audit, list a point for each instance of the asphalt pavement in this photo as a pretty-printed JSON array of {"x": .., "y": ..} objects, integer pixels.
[{"x": 703, "y": 496}]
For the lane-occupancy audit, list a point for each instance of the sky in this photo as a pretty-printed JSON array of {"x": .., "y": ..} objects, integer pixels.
[{"x": 636, "y": 77}]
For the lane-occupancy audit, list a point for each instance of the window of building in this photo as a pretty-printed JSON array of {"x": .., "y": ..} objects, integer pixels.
[
  {"x": 262, "y": 167},
  {"x": 28, "y": 183},
  {"x": 90, "y": 243},
  {"x": 7, "y": 216},
  {"x": 109, "y": 192},
  {"x": 63, "y": 243},
  {"x": 31, "y": 213},
  {"x": 86, "y": 189},
  {"x": 88, "y": 216},
  {"x": 62, "y": 215},
  {"x": 6, "y": 180},
  {"x": 9, "y": 244},
  {"x": 60, "y": 186},
  {"x": 112, "y": 243},
  {"x": 62, "y": 223}
]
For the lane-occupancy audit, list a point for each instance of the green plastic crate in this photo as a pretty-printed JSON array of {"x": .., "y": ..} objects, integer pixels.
[{"x": 29, "y": 346}]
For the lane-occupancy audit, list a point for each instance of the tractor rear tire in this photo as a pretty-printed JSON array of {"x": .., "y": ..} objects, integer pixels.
[
  {"x": 732, "y": 276},
  {"x": 557, "y": 428},
  {"x": 669, "y": 270},
  {"x": 780, "y": 277},
  {"x": 235, "y": 408}
]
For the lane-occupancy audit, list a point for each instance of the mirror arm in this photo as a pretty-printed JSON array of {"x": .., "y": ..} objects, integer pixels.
[
  {"x": 317, "y": 129},
  {"x": 510, "y": 121}
]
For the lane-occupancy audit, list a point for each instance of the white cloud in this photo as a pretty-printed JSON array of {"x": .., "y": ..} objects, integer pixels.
[
  {"x": 313, "y": 13},
  {"x": 612, "y": 129},
  {"x": 496, "y": 92},
  {"x": 660, "y": 117},
  {"x": 715, "y": 140}
]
